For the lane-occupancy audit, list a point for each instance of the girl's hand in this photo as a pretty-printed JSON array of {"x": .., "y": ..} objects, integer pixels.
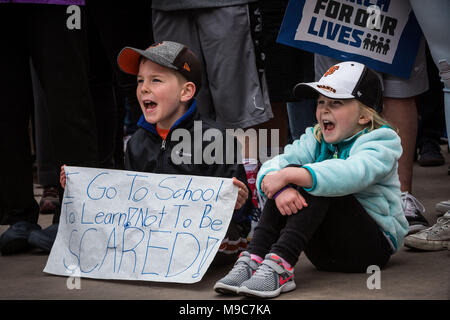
[
  {"x": 62, "y": 177},
  {"x": 242, "y": 193},
  {"x": 272, "y": 183},
  {"x": 290, "y": 201}
]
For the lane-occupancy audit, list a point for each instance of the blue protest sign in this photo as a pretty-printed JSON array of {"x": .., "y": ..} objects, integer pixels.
[{"x": 382, "y": 34}]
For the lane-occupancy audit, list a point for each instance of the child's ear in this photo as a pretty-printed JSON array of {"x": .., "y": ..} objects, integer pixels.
[
  {"x": 364, "y": 119},
  {"x": 188, "y": 91}
]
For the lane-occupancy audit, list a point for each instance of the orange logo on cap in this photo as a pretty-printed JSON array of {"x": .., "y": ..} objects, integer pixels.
[
  {"x": 156, "y": 44},
  {"x": 331, "y": 70},
  {"x": 326, "y": 88},
  {"x": 186, "y": 67}
]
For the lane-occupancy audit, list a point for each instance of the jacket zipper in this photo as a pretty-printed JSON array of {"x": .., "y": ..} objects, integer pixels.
[
  {"x": 161, "y": 159},
  {"x": 336, "y": 153}
]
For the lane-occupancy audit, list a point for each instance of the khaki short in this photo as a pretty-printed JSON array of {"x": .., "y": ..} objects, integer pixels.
[{"x": 232, "y": 92}]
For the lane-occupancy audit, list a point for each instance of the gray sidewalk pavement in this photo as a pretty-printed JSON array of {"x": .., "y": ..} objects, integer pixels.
[{"x": 409, "y": 274}]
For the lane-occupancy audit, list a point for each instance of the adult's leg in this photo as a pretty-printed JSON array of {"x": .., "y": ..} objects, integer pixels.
[
  {"x": 181, "y": 26},
  {"x": 239, "y": 95},
  {"x": 402, "y": 113},
  {"x": 60, "y": 58},
  {"x": 101, "y": 80},
  {"x": 48, "y": 175},
  {"x": 400, "y": 110},
  {"x": 433, "y": 19},
  {"x": 432, "y": 118},
  {"x": 45, "y": 157},
  {"x": 17, "y": 201}
]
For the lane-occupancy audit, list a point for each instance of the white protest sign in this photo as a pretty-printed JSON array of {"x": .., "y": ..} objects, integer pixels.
[{"x": 140, "y": 226}]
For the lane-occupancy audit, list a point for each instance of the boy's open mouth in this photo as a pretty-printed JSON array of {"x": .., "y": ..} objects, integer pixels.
[
  {"x": 149, "y": 105},
  {"x": 327, "y": 125}
]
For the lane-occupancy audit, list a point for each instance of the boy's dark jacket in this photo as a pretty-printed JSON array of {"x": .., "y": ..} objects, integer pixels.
[{"x": 146, "y": 152}]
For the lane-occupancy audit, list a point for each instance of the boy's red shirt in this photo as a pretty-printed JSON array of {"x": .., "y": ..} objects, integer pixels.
[{"x": 162, "y": 132}]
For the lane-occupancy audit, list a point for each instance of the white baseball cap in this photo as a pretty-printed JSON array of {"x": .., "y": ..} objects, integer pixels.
[{"x": 346, "y": 80}]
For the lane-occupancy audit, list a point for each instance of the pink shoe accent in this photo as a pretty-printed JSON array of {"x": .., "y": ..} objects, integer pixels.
[
  {"x": 283, "y": 262},
  {"x": 256, "y": 258}
]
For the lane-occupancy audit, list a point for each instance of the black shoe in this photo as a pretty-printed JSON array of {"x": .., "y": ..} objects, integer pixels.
[
  {"x": 414, "y": 211},
  {"x": 15, "y": 239},
  {"x": 44, "y": 239},
  {"x": 430, "y": 154}
]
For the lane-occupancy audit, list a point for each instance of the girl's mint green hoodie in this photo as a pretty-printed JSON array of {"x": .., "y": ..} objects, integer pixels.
[{"x": 364, "y": 165}]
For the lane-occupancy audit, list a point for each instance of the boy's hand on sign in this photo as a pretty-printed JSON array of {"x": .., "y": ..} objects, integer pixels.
[
  {"x": 62, "y": 177},
  {"x": 242, "y": 193}
]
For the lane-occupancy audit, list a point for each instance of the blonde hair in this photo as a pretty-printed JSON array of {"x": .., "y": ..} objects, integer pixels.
[{"x": 376, "y": 121}]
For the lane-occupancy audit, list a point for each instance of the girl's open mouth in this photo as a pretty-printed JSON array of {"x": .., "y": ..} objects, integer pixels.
[{"x": 327, "y": 125}]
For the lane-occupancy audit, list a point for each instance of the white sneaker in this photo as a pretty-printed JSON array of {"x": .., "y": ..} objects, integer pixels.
[
  {"x": 442, "y": 207},
  {"x": 437, "y": 237},
  {"x": 414, "y": 211}
]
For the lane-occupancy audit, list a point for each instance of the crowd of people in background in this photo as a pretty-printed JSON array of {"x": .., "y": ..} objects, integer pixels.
[{"x": 67, "y": 102}]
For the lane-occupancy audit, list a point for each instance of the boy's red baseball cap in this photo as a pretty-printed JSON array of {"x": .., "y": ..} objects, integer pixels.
[{"x": 168, "y": 54}]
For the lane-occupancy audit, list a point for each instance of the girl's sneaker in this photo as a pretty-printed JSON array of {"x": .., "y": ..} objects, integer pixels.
[
  {"x": 271, "y": 279},
  {"x": 243, "y": 269}
]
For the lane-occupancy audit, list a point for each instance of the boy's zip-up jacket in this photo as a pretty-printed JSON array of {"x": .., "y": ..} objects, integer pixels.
[{"x": 147, "y": 152}]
